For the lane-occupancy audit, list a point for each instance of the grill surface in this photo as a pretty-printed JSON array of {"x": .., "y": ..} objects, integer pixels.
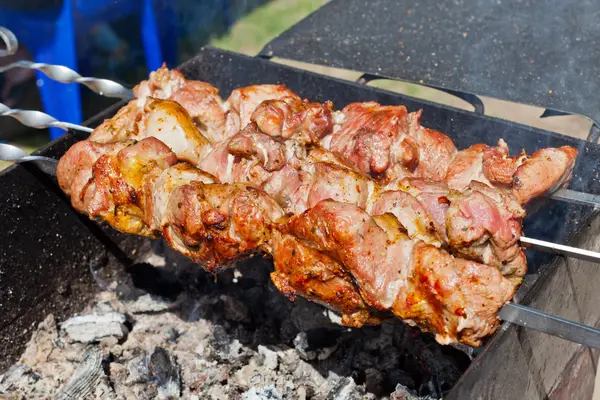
[
  {"x": 540, "y": 52},
  {"x": 44, "y": 260}
]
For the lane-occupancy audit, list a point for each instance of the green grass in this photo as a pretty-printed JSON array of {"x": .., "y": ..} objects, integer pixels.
[{"x": 252, "y": 32}]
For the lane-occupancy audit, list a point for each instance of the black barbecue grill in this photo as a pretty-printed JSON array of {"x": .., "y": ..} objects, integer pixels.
[{"x": 47, "y": 248}]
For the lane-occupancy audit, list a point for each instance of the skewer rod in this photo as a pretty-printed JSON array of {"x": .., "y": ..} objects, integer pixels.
[
  {"x": 39, "y": 120},
  {"x": 573, "y": 196},
  {"x": 550, "y": 324},
  {"x": 556, "y": 248}
]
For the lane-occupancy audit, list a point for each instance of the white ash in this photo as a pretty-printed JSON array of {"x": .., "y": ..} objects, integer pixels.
[
  {"x": 235, "y": 338},
  {"x": 96, "y": 326}
]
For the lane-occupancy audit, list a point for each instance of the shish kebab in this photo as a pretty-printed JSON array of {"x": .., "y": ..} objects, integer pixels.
[{"x": 334, "y": 252}]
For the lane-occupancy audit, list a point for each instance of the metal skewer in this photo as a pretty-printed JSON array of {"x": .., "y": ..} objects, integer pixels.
[
  {"x": 550, "y": 324},
  {"x": 39, "y": 120},
  {"x": 12, "y": 153},
  {"x": 103, "y": 87},
  {"x": 573, "y": 196}
]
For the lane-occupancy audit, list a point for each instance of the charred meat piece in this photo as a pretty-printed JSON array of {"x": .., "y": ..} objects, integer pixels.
[
  {"x": 217, "y": 224},
  {"x": 455, "y": 299},
  {"x": 301, "y": 270}
]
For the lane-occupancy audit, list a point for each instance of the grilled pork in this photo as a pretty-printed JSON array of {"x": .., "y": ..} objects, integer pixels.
[
  {"x": 363, "y": 209},
  {"x": 334, "y": 253}
]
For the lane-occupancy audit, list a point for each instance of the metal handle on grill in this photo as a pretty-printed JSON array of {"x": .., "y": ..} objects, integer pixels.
[{"x": 103, "y": 87}]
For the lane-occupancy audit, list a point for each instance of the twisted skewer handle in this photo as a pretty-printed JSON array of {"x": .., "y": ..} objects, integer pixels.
[
  {"x": 39, "y": 120},
  {"x": 103, "y": 87},
  {"x": 10, "y": 41}
]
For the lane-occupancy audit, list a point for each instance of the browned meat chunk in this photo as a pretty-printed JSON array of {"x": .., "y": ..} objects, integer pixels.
[
  {"x": 217, "y": 224},
  {"x": 427, "y": 287},
  {"x": 243, "y": 101},
  {"x": 109, "y": 181},
  {"x": 544, "y": 172},
  {"x": 292, "y": 117},
  {"x": 303, "y": 270},
  {"x": 529, "y": 177}
]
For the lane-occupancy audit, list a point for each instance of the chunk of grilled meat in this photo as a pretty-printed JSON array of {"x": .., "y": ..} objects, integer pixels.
[
  {"x": 217, "y": 224},
  {"x": 244, "y": 101},
  {"x": 457, "y": 300},
  {"x": 108, "y": 181},
  {"x": 386, "y": 142},
  {"x": 292, "y": 117},
  {"x": 528, "y": 177},
  {"x": 301, "y": 270},
  {"x": 200, "y": 99},
  {"x": 139, "y": 189}
]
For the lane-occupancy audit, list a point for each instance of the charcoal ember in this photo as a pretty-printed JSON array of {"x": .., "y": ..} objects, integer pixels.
[
  {"x": 118, "y": 375},
  {"x": 43, "y": 341},
  {"x": 265, "y": 333},
  {"x": 224, "y": 348},
  {"x": 302, "y": 347},
  {"x": 389, "y": 358},
  {"x": 374, "y": 381},
  {"x": 204, "y": 309},
  {"x": 316, "y": 344},
  {"x": 377, "y": 339},
  {"x": 93, "y": 327},
  {"x": 88, "y": 377},
  {"x": 171, "y": 334},
  {"x": 17, "y": 376},
  {"x": 266, "y": 393},
  {"x": 165, "y": 372},
  {"x": 403, "y": 393},
  {"x": 137, "y": 370},
  {"x": 254, "y": 298},
  {"x": 307, "y": 316},
  {"x": 307, "y": 376},
  {"x": 288, "y": 330},
  {"x": 344, "y": 389},
  {"x": 288, "y": 358},
  {"x": 363, "y": 360},
  {"x": 268, "y": 358},
  {"x": 235, "y": 310},
  {"x": 399, "y": 377}
]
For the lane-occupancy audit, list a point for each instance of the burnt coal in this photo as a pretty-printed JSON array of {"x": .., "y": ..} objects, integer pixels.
[{"x": 227, "y": 336}]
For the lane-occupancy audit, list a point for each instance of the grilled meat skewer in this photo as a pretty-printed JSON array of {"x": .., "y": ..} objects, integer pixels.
[
  {"x": 481, "y": 223},
  {"x": 386, "y": 143},
  {"x": 352, "y": 253},
  {"x": 335, "y": 253}
]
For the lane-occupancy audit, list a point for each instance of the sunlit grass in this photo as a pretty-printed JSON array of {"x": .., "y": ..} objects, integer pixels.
[{"x": 252, "y": 32}]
